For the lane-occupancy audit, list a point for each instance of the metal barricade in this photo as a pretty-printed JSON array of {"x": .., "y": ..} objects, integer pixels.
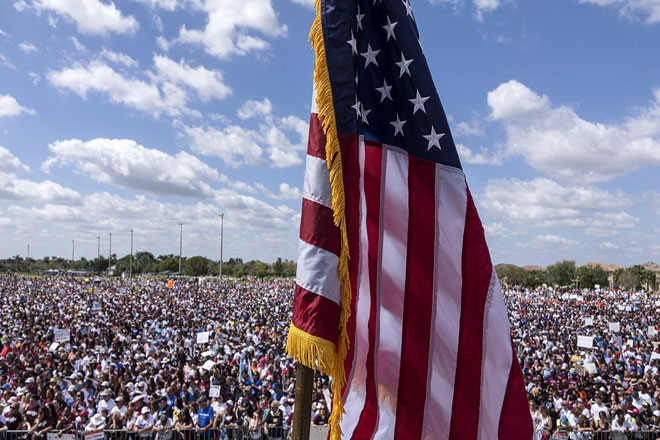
[{"x": 569, "y": 434}]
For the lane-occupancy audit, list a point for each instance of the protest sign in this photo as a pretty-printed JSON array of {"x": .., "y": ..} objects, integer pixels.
[
  {"x": 96, "y": 306},
  {"x": 651, "y": 331},
  {"x": 207, "y": 353},
  {"x": 53, "y": 347},
  {"x": 655, "y": 356},
  {"x": 95, "y": 435},
  {"x": 202, "y": 337},
  {"x": 588, "y": 321},
  {"x": 614, "y": 326},
  {"x": 585, "y": 341},
  {"x": 62, "y": 335},
  {"x": 53, "y": 436},
  {"x": 208, "y": 365},
  {"x": 214, "y": 391},
  {"x": 590, "y": 367}
]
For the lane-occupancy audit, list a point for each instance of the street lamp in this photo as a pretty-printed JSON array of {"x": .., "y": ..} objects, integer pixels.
[
  {"x": 180, "y": 244},
  {"x": 110, "y": 252},
  {"x": 222, "y": 227},
  {"x": 98, "y": 249},
  {"x": 130, "y": 270}
]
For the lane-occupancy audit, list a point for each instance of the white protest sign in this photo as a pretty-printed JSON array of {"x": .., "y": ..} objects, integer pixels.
[
  {"x": 62, "y": 335},
  {"x": 53, "y": 346},
  {"x": 597, "y": 286},
  {"x": 585, "y": 341},
  {"x": 651, "y": 331},
  {"x": 202, "y": 337},
  {"x": 208, "y": 365},
  {"x": 590, "y": 367},
  {"x": 207, "y": 353},
  {"x": 657, "y": 303},
  {"x": 53, "y": 436},
  {"x": 95, "y": 435},
  {"x": 588, "y": 321},
  {"x": 614, "y": 326},
  {"x": 655, "y": 356},
  {"x": 96, "y": 306},
  {"x": 214, "y": 391}
]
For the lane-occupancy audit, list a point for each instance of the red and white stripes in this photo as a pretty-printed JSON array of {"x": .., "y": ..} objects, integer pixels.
[{"x": 430, "y": 354}]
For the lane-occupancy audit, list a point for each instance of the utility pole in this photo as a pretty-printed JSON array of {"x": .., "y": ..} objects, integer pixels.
[
  {"x": 73, "y": 250},
  {"x": 222, "y": 227},
  {"x": 98, "y": 250},
  {"x": 28, "y": 251},
  {"x": 180, "y": 244},
  {"x": 110, "y": 253},
  {"x": 130, "y": 270}
]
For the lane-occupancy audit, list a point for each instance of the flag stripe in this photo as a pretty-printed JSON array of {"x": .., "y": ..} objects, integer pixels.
[
  {"x": 515, "y": 404},
  {"x": 315, "y": 314},
  {"x": 317, "y": 271},
  {"x": 317, "y": 227},
  {"x": 392, "y": 289},
  {"x": 477, "y": 270},
  {"x": 316, "y": 141},
  {"x": 372, "y": 236},
  {"x": 418, "y": 305},
  {"x": 356, "y": 397},
  {"x": 316, "y": 186},
  {"x": 497, "y": 361},
  {"x": 451, "y": 200}
]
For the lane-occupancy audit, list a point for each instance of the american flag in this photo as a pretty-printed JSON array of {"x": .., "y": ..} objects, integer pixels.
[{"x": 429, "y": 351}]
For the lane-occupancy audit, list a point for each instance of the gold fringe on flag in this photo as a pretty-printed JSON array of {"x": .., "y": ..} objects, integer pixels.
[
  {"x": 306, "y": 348},
  {"x": 326, "y": 110}
]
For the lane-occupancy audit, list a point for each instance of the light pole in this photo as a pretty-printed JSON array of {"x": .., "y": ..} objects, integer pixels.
[
  {"x": 130, "y": 267},
  {"x": 73, "y": 250},
  {"x": 180, "y": 244},
  {"x": 110, "y": 252},
  {"x": 28, "y": 251},
  {"x": 222, "y": 227},
  {"x": 98, "y": 250}
]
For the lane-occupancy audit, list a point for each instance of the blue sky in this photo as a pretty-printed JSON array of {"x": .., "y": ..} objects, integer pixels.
[{"x": 146, "y": 113}]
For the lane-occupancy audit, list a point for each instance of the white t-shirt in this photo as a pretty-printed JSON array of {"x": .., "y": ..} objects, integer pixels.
[{"x": 145, "y": 421}]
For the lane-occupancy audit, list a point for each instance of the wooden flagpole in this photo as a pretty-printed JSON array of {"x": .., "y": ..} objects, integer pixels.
[{"x": 303, "y": 406}]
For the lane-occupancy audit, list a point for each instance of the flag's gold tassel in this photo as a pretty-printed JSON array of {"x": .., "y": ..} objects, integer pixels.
[
  {"x": 333, "y": 157},
  {"x": 308, "y": 349}
]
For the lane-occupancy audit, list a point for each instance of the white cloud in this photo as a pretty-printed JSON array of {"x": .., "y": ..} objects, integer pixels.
[
  {"x": 10, "y": 163},
  {"x": 549, "y": 240},
  {"x": 35, "y": 77},
  {"x": 168, "y": 5},
  {"x": 653, "y": 198},
  {"x": 207, "y": 83},
  {"x": 6, "y": 61},
  {"x": 481, "y": 158},
  {"x": 78, "y": 45},
  {"x": 231, "y": 24},
  {"x": 237, "y": 145},
  {"x": 649, "y": 8},
  {"x": 543, "y": 203},
  {"x": 464, "y": 129},
  {"x": 557, "y": 142},
  {"x": 253, "y": 108},
  {"x": 118, "y": 58},
  {"x": 127, "y": 164},
  {"x": 608, "y": 246},
  {"x": 162, "y": 43},
  {"x": 484, "y": 6},
  {"x": 13, "y": 188},
  {"x": 10, "y": 107},
  {"x": 233, "y": 144},
  {"x": 286, "y": 192},
  {"x": 27, "y": 47},
  {"x": 3, "y": 33},
  {"x": 90, "y": 16},
  {"x": 134, "y": 93}
]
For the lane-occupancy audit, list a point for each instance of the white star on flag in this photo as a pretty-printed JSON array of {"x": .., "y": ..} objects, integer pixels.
[
  {"x": 384, "y": 91},
  {"x": 434, "y": 139},
  {"x": 370, "y": 56},
  {"x": 356, "y": 107},
  {"x": 398, "y": 125},
  {"x": 353, "y": 43},
  {"x": 418, "y": 101},
  {"x": 389, "y": 28},
  {"x": 403, "y": 65},
  {"x": 365, "y": 114},
  {"x": 359, "y": 19}
]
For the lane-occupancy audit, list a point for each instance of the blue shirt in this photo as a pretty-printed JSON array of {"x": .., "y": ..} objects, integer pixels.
[{"x": 205, "y": 416}]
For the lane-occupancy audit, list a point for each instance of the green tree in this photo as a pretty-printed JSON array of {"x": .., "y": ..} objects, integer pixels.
[
  {"x": 197, "y": 266},
  {"x": 588, "y": 277},
  {"x": 169, "y": 263},
  {"x": 534, "y": 278},
  {"x": 561, "y": 273},
  {"x": 510, "y": 274}
]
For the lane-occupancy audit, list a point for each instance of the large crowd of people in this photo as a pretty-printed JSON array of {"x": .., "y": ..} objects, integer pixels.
[
  {"x": 590, "y": 361},
  {"x": 152, "y": 357},
  {"x": 136, "y": 357}
]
